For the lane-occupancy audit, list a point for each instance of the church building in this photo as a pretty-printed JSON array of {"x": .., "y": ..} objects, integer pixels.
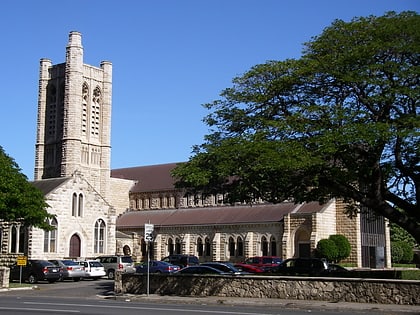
[{"x": 102, "y": 211}]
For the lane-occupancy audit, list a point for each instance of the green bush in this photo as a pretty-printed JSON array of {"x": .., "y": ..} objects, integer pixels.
[
  {"x": 397, "y": 252},
  {"x": 327, "y": 249},
  {"x": 343, "y": 246},
  {"x": 401, "y": 252}
]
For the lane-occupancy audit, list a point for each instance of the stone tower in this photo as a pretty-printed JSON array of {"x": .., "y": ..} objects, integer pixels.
[{"x": 74, "y": 118}]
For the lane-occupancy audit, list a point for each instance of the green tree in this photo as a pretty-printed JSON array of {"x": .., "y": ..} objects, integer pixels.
[
  {"x": 343, "y": 246},
  {"x": 341, "y": 121},
  {"x": 19, "y": 200},
  {"x": 327, "y": 249}
]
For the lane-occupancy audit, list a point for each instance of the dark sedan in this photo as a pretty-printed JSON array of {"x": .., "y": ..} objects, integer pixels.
[
  {"x": 200, "y": 270},
  {"x": 36, "y": 270},
  {"x": 156, "y": 266}
]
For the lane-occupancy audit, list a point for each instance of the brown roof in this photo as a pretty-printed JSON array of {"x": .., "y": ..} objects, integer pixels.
[
  {"x": 214, "y": 215},
  {"x": 150, "y": 178}
]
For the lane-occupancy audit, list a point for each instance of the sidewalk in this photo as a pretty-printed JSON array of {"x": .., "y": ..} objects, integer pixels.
[{"x": 280, "y": 303}]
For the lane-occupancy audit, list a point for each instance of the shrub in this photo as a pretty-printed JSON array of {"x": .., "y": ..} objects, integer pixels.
[
  {"x": 327, "y": 249},
  {"x": 343, "y": 246},
  {"x": 397, "y": 252}
]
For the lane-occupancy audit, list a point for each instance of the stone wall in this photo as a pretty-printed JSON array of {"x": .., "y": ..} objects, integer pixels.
[{"x": 403, "y": 292}]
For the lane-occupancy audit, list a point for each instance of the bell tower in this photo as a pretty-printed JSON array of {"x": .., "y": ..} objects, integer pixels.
[{"x": 74, "y": 118}]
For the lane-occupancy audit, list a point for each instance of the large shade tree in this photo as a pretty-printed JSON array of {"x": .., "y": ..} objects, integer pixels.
[
  {"x": 341, "y": 121},
  {"x": 20, "y": 201}
]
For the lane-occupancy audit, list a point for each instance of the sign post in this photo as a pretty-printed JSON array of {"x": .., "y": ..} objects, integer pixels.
[
  {"x": 21, "y": 261},
  {"x": 148, "y": 237}
]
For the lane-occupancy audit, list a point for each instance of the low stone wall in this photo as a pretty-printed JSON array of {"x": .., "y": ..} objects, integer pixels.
[
  {"x": 4, "y": 277},
  {"x": 404, "y": 292}
]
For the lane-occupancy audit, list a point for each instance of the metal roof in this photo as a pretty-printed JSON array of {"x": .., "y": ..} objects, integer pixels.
[{"x": 215, "y": 215}]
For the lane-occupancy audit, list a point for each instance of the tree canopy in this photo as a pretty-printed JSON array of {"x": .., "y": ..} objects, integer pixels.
[
  {"x": 20, "y": 201},
  {"x": 342, "y": 121}
]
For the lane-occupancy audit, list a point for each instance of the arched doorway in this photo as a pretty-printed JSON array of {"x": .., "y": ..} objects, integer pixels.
[
  {"x": 302, "y": 243},
  {"x": 75, "y": 246}
]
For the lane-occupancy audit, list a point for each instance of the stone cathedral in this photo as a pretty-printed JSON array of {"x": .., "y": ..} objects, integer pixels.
[{"x": 102, "y": 211}]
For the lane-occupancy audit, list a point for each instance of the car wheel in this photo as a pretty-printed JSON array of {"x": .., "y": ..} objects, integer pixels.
[
  {"x": 32, "y": 279},
  {"x": 111, "y": 274},
  {"x": 76, "y": 279}
]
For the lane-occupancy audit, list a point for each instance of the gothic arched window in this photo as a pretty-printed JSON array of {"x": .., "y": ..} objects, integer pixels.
[
  {"x": 99, "y": 236},
  {"x": 231, "y": 247},
  {"x": 50, "y": 237}
]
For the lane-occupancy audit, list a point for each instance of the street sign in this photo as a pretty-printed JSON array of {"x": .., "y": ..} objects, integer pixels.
[
  {"x": 148, "y": 232},
  {"x": 21, "y": 260}
]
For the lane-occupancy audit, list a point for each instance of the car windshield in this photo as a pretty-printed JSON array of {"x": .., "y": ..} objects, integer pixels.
[
  {"x": 70, "y": 263},
  {"x": 95, "y": 264}
]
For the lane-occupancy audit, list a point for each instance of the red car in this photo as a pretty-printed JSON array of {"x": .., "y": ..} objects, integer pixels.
[
  {"x": 264, "y": 262},
  {"x": 248, "y": 268}
]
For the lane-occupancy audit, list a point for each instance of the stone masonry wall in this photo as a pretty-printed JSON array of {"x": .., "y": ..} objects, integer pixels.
[{"x": 403, "y": 292}]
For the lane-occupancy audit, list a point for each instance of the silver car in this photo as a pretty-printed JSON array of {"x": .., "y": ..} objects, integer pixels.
[{"x": 70, "y": 269}]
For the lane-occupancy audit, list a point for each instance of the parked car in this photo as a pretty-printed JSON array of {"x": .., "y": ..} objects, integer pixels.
[
  {"x": 113, "y": 263},
  {"x": 70, "y": 269},
  {"x": 36, "y": 270},
  {"x": 249, "y": 268},
  {"x": 223, "y": 266},
  {"x": 157, "y": 266},
  {"x": 182, "y": 260},
  {"x": 302, "y": 266},
  {"x": 200, "y": 269},
  {"x": 264, "y": 262},
  {"x": 93, "y": 269}
]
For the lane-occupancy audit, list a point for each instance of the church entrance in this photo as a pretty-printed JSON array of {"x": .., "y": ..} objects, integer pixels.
[{"x": 75, "y": 245}]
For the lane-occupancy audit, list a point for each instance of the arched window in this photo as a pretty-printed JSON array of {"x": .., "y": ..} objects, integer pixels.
[
  {"x": 231, "y": 247},
  {"x": 127, "y": 250},
  {"x": 200, "y": 247},
  {"x": 170, "y": 246},
  {"x": 99, "y": 236},
  {"x": 207, "y": 250},
  {"x": 50, "y": 237},
  {"x": 13, "y": 238},
  {"x": 264, "y": 246},
  {"x": 177, "y": 246},
  {"x": 17, "y": 239},
  {"x": 273, "y": 246},
  {"x": 74, "y": 205},
  {"x": 80, "y": 206},
  {"x": 240, "y": 246}
]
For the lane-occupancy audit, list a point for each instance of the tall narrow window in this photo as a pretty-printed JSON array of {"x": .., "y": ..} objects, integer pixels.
[
  {"x": 1, "y": 241},
  {"x": 231, "y": 247},
  {"x": 273, "y": 244},
  {"x": 264, "y": 246},
  {"x": 177, "y": 246},
  {"x": 50, "y": 238},
  {"x": 170, "y": 246},
  {"x": 99, "y": 236},
  {"x": 200, "y": 247},
  {"x": 240, "y": 246},
  {"x": 13, "y": 239},
  {"x": 207, "y": 250},
  {"x": 74, "y": 205},
  {"x": 80, "y": 206}
]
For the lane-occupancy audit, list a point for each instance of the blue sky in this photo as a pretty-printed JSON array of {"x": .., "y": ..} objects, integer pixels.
[{"x": 169, "y": 57}]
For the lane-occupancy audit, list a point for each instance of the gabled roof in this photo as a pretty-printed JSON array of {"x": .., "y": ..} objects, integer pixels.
[
  {"x": 215, "y": 215},
  {"x": 48, "y": 185},
  {"x": 149, "y": 178}
]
